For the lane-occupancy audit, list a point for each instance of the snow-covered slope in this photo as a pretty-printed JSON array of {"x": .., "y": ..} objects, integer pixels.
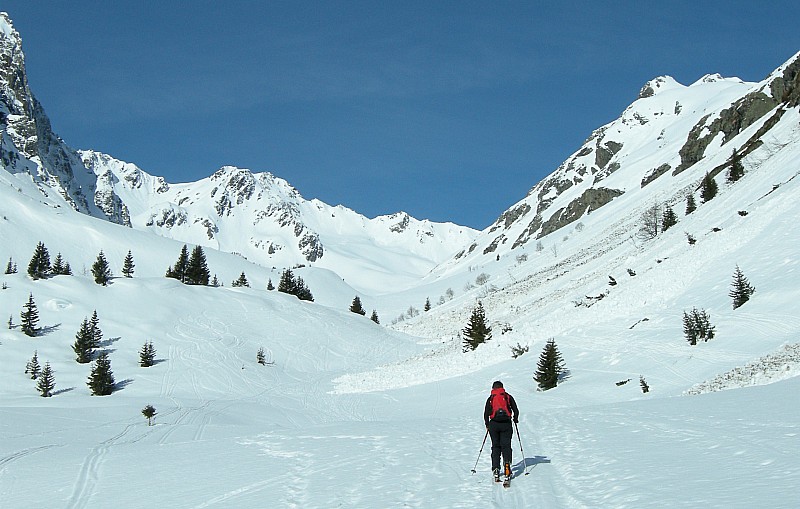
[
  {"x": 256, "y": 215},
  {"x": 353, "y": 414},
  {"x": 263, "y": 218},
  {"x": 662, "y": 135}
]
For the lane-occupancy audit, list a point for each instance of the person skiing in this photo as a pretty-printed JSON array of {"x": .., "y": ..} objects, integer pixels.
[{"x": 498, "y": 414}]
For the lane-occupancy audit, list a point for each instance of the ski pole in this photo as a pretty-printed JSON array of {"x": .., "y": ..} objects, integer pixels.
[
  {"x": 524, "y": 461},
  {"x": 479, "y": 452}
]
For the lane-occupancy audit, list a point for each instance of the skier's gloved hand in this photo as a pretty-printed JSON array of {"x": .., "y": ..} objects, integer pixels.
[{"x": 516, "y": 420}]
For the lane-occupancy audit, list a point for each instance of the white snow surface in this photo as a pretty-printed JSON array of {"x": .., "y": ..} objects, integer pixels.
[{"x": 354, "y": 414}]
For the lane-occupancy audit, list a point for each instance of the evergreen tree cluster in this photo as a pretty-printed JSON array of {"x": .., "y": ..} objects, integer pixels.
[
  {"x": 147, "y": 355},
  {"x": 294, "y": 286},
  {"x": 477, "y": 330},
  {"x": 241, "y": 281},
  {"x": 697, "y": 325},
  {"x": 45, "y": 379},
  {"x": 550, "y": 367},
  {"x": 190, "y": 269},
  {"x": 60, "y": 267},
  {"x": 88, "y": 339},
  {"x": 11, "y": 267}
]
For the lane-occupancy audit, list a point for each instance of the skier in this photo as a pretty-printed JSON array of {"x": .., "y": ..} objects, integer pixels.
[{"x": 498, "y": 414}]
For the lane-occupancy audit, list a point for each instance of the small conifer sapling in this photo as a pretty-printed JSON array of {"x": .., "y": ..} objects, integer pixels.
[
  {"x": 150, "y": 413},
  {"x": 32, "y": 368}
]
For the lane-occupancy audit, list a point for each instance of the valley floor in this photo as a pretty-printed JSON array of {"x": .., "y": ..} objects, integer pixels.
[{"x": 727, "y": 449}]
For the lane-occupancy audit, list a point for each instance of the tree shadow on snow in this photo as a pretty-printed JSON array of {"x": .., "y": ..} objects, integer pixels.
[
  {"x": 522, "y": 466},
  {"x": 62, "y": 391},
  {"x": 121, "y": 385},
  {"x": 108, "y": 342},
  {"x": 44, "y": 331}
]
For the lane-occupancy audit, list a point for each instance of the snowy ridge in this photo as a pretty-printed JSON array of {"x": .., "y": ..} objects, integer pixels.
[{"x": 263, "y": 218}]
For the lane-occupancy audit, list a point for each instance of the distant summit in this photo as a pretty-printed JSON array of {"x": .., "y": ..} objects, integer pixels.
[{"x": 256, "y": 215}]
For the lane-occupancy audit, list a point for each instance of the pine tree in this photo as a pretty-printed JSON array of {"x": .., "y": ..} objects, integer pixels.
[
  {"x": 197, "y": 268},
  {"x": 30, "y": 318},
  {"x": 261, "y": 357},
  {"x": 32, "y": 368},
  {"x": 178, "y": 271},
  {"x": 39, "y": 266},
  {"x": 476, "y": 331},
  {"x": 427, "y": 306},
  {"x": 374, "y": 317},
  {"x": 550, "y": 366},
  {"x": 708, "y": 188},
  {"x": 215, "y": 281},
  {"x": 96, "y": 333},
  {"x": 241, "y": 281},
  {"x": 46, "y": 382},
  {"x": 691, "y": 205},
  {"x": 356, "y": 307},
  {"x": 670, "y": 218},
  {"x": 11, "y": 268},
  {"x": 287, "y": 283},
  {"x": 697, "y": 325},
  {"x": 101, "y": 380},
  {"x": 302, "y": 291},
  {"x": 58, "y": 268},
  {"x": 147, "y": 355},
  {"x": 643, "y": 385},
  {"x": 128, "y": 265},
  {"x": 67, "y": 270},
  {"x": 270, "y": 286},
  {"x": 83, "y": 345},
  {"x": 736, "y": 170},
  {"x": 741, "y": 289},
  {"x": 100, "y": 270},
  {"x": 150, "y": 413}
]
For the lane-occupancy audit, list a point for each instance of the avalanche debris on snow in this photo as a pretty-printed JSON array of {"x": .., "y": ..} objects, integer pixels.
[{"x": 766, "y": 370}]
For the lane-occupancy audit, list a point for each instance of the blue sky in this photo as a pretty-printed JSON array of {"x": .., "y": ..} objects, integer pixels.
[{"x": 450, "y": 111}]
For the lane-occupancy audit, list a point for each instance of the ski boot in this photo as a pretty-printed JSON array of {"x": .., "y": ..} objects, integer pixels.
[{"x": 496, "y": 473}]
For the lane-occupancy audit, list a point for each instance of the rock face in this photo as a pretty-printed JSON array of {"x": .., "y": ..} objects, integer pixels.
[
  {"x": 29, "y": 145},
  {"x": 665, "y": 132},
  {"x": 782, "y": 88},
  {"x": 256, "y": 215}
]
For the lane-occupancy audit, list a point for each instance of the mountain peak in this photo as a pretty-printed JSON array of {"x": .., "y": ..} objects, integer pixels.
[{"x": 656, "y": 85}]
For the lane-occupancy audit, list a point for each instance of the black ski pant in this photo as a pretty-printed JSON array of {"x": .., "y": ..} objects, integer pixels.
[{"x": 501, "y": 433}]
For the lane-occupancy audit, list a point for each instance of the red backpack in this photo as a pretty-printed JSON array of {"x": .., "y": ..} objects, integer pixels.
[{"x": 501, "y": 412}]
